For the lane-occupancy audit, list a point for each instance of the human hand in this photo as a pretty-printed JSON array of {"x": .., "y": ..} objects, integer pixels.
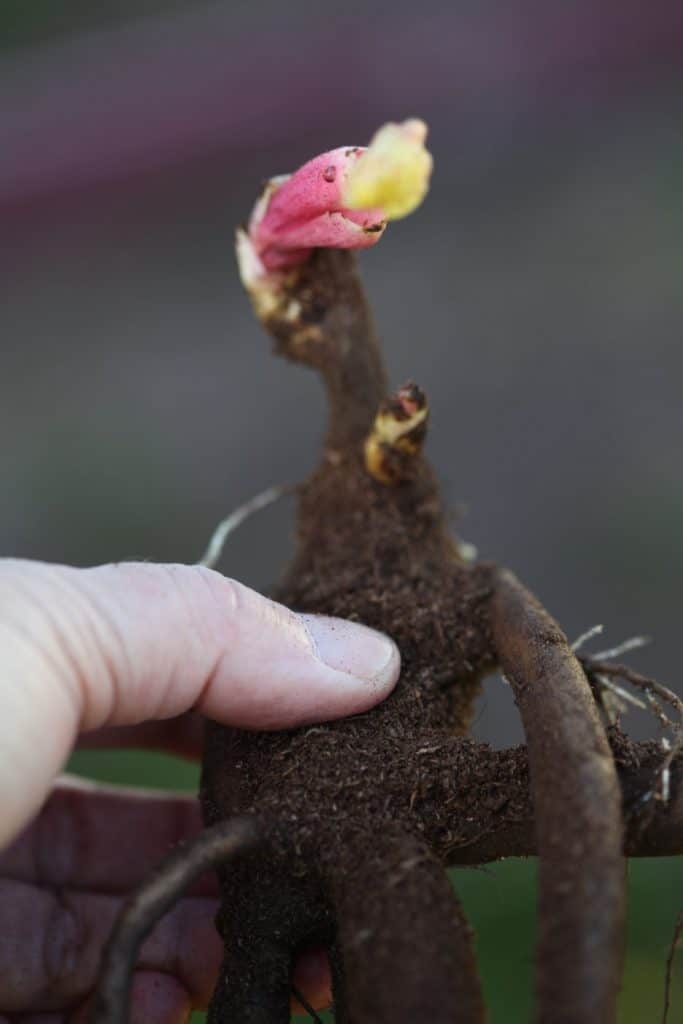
[{"x": 124, "y": 655}]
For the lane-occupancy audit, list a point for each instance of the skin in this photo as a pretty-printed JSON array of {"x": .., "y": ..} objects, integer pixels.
[{"x": 129, "y": 655}]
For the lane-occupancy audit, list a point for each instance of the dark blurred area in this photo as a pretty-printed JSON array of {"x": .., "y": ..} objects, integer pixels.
[{"x": 536, "y": 296}]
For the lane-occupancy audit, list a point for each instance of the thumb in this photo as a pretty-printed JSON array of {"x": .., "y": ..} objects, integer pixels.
[{"x": 122, "y": 644}]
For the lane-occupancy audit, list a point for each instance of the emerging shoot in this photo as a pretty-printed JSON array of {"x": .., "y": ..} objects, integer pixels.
[{"x": 341, "y": 199}]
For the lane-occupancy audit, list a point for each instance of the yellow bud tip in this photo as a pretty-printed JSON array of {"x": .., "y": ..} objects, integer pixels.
[{"x": 393, "y": 173}]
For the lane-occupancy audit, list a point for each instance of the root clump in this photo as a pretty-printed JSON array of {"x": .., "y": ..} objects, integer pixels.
[{"x": 354, "y": 821}]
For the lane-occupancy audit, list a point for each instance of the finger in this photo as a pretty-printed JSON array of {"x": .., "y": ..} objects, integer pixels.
[
  {"x": 51, "y": 943},
  {"x": 313, "y": 978},
  {"x": 155, "y": 999},
  {"x": 102, "y": 838},
  {"x": 122, "y": 644},
  {"x": 183, "y": 736}
]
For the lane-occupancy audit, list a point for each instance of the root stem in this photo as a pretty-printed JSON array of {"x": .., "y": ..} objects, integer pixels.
[{"x": 404, "y": 948}]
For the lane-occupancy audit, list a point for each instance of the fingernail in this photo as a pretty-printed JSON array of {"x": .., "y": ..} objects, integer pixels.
[{"x": 354, "y": 649}]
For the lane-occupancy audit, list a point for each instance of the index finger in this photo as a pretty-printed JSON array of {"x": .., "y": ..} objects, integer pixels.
[{"x": 124, "y": 644}]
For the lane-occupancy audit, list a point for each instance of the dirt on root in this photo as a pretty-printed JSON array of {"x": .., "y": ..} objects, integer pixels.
[{"x": 380, "y": 555}]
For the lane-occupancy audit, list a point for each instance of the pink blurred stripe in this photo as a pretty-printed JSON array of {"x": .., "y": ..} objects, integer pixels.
[{"x": 106, "y": 106}]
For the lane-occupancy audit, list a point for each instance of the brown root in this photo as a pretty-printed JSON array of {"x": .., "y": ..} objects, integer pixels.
[
  {"x": 270, "y": 910},
  {"x": 255, "y": 985},
  {"x": 474, "y": 805},
  {"x": 577, "y": 810},
  {"x": 403, "y": 949},
  {"x": 153, "y": 899}
]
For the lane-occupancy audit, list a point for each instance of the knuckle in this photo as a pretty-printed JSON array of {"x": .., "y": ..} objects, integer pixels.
[
  {"x": 54, "y": 833},
  {"x": 213, "y": 604},
  {"x": 62, "y": 836},
  {"x": 65, "y": 941},
  {"x": 37, "y": 615},
  {"x": 228, "y": 604},
  {"x": 227, "y": 594}
]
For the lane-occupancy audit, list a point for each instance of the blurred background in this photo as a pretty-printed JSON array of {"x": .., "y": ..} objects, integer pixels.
[{"x": 536, "y": 296}]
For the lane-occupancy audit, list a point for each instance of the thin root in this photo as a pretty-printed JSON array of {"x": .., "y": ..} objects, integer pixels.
[
  {"x": 601, "y": 673},
  {"x": 632, "y": 644},
  {"x": 676, "y": 938},
  {"x": 213, "y": 553},
  {"x": 300, "y": 998},
  {"x": 585, "y": 637},
  {"x": 153, "y": 899}
]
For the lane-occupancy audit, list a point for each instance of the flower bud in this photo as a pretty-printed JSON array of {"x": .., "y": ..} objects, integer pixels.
[{"x": 339, "y": 200}]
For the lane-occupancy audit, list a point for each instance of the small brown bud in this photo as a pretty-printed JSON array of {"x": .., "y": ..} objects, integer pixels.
[{"x": 397, "y": 435}]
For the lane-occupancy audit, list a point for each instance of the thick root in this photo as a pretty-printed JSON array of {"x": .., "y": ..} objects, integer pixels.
[
  {"x": 403, "y": 948},
  {"x": 474, "y": 806},
  {"x": 577, "y": 806},
  {"x": 254, "y": 985}
]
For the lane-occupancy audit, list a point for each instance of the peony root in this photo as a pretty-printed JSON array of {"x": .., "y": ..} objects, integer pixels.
[{"x": 339, "y": 835}]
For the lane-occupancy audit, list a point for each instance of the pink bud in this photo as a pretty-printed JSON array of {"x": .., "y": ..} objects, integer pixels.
[{"x": 305, "y": 211}]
